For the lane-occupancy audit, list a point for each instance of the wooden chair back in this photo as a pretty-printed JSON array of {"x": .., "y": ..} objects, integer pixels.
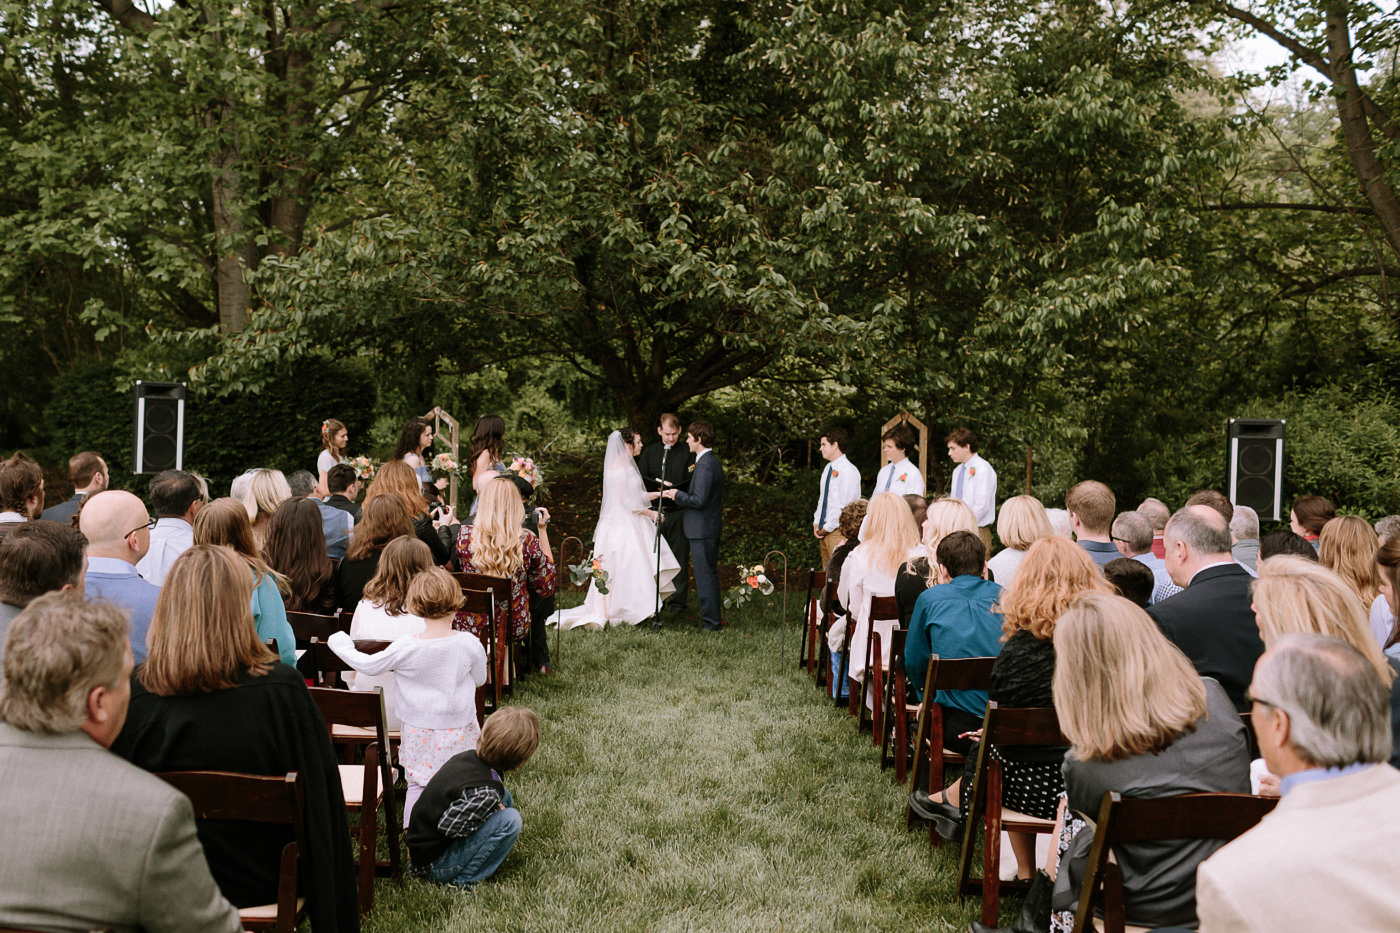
[
  {"x": 943, "y": 674},
  {"x": 1133, "y": 819},
  {"x": 807, "y": 651},
  {"x": 895, "y": 703},
  {"x": 882, "y": 609},
  {"x": 327, "y": 666},
  {"x": 483, "y": 603},
  {"x": 309, "y": 625}
]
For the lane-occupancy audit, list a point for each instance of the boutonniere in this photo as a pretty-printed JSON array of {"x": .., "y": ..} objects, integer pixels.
[
  {"x": 835, "y": 474},
  {"x": 972, "y": 471},
  {"x": 903, "y": 477},
  {"x": 690, "y": 469}
]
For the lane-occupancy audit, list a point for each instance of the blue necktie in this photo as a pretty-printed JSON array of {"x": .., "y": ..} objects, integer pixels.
[
  {"x": 826, "y": 490},
  {"x": 889, "y": 479},
  {"x": 958, "y": 481}
]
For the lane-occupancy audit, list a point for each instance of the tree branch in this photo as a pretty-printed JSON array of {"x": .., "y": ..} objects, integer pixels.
[
  {"x": 1304, "y": 54},
  {"x": 1289, "y": 206},
  {"x": 128, "y": 14},
  {"x": 1357, "y": 273}
]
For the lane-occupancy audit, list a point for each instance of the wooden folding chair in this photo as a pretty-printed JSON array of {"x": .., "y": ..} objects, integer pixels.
[
  {"x": 943, "y": 674},
  {"x": 369, "y": 787},
  {"x": 223, "y": 795},
  {"x": 309, "y": 625},
  {"x": 499, "y": 588},
  {"x": 882, "y": 609},
  {"x": 898, "y": 706},
  {"x": 823, "y": 673},
  {"x": 1135, "y": 819},
  {"x": 1001, "y": 728},
  {"x": 807, "y": 651}
]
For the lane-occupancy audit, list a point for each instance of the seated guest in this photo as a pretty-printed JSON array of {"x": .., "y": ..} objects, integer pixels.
[
  {"x": 1385, "y": 630},
  {"x": 1141, "y": 723},
  {"x": 397, "y": 477},
  {"x": 1211, "y": 621},
  {"x": 87, "y": 472},
  {"x": 1157, "y": 512},
  {"x": 1316, "y": 862},
  {"x": 336, "y": 524},
  {"x": 295, "y": 548},
  {"x": 211, "y": 697},
  {"x": 1348, "y": 546},
  {"x": 1244, "y": 532},
  {"x": 1059, "y": 522},
  {"x": 1132, "y": 579},
  {"x": 465, "y": 824},
  {"x": 344, "y": 486},
  {"x": 38, "y": 558},
  {"x": 1214, "y": 499},
  {"x": 176, "y": 498},
  {"x": 852, "y": 518},
  {"x": 1020, "y": 523},
  {"x": 224, "y": 522},
  {"x": 918, "y": 507},
  {"x": 1388, "y": 527},
  {"x": 1132, "y": 534},
  {"x": 1294, "y": 595},
  {"x": 21, "y": 492},
  {"x": 919, "y": 571},
  {"x": 1285, "y": 542},
  {"x": 385, "y": 518},
  {"x": 90, "y": 841},
  {"x": 265, "y": 491},
  {"x": 118, "y": 532},
  {"x": 1090, "y": 505},
  {"x": 383, "y": 612},
  {"x": 1308, "y": 516}
]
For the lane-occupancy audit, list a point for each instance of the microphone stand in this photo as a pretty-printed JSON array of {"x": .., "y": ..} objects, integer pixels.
[{"x": 660, "y": 516}]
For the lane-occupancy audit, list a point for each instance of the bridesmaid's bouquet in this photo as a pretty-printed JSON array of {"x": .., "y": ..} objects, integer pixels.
[
  {"x": 590, "y": 569},
  {"x": 526, "y": 469},
  {"x": 364, "y": 467},
  {"x": 754, "y": 581},
  {"x": 442, "y": 465}
]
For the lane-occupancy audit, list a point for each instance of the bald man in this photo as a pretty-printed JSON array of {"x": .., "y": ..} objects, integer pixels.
[{"x": 119, "y": 535}]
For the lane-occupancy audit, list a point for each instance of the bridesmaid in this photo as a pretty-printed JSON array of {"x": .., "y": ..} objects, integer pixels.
[
  {"x": 334, "y": 439},
  {"x": 414, "y": 441},
  {"x": 488, "y": 439}
]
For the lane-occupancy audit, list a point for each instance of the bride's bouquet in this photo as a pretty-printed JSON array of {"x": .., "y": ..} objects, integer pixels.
[
  {"x": 754, "y": 581},
  {"x": 590, "y": 569},
  {"x": 442, "y": 466}
]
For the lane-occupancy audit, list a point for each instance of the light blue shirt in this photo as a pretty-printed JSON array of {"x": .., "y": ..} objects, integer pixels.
[
  {"x": 270, "y": 619},
  {"x": 336, "y": 525},
  {"x": 1162, "y": 585},
  {"x": 116, "y": 581},
  {"x": 1285, "y": 784}
]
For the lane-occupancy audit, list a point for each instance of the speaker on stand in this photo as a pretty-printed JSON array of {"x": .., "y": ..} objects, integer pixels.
[
  {"x": 1255, "y": 468},
  {"x": 158, "y": 442}
]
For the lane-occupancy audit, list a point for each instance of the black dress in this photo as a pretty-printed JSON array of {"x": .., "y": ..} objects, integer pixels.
[
  {"x": 351, "y": 578},
  {"x": 833, "y": 573},
  {"x": 909, "y": 583}
]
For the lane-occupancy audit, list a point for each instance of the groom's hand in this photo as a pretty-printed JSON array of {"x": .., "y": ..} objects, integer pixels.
[{"x": 670, "y": 494}]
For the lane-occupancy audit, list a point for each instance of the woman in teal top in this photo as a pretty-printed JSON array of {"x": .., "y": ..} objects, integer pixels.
[{"x": 225, "y": 522}]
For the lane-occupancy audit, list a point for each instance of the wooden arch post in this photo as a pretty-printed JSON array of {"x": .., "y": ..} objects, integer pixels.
[
  {"x": 455, "y": 439},
  {"x": 905, "y": 418}
]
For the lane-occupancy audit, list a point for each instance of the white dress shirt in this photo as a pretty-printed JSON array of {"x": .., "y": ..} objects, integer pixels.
[
  {"x": 901, "y": 478},
  {"x": 978, "y": 488},
  {"x": 169, "y": 539},
  {"x": 844, "y": 489}
]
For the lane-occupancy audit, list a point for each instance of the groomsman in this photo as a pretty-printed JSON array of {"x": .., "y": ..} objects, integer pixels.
[
  {"x": 840, "y": 485},
  {"x": 974, "y": 481},
  {"x": 898, "y": 475},
  {"x": 670, "y": 461}
]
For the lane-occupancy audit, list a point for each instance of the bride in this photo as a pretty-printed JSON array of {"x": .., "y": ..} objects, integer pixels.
[{"x": 625, "y": 540}]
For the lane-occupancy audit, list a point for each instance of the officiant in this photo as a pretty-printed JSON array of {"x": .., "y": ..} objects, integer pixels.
[{"x": 669, "y": 460}]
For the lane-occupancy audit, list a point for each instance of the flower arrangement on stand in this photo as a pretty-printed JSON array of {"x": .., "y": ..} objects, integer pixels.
[{"x": 753, "y": 583}]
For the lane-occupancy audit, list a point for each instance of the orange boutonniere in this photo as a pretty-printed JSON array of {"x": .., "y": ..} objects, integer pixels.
[
  {"x": 691, "y": 468},
  {"x": 972, "y": 471},
  {"x": 903, "y": 477},
  {"x": 835, "y": 474}
]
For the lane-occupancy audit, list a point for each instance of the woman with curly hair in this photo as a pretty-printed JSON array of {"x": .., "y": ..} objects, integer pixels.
[{"x": 396, "y": 478}]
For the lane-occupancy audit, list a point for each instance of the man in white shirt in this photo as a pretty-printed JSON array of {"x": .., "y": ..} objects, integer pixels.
[
  {"x": 898, "y": 475},
  {"x": 974, "y": 481},
  {"x": 176, "y": 499},
  {"x": 840, "y": 484}
]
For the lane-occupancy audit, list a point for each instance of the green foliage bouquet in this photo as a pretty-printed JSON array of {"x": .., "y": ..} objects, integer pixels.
[
  {"x": 590, "y": 569},
  {"x": 755, "y": 581}
]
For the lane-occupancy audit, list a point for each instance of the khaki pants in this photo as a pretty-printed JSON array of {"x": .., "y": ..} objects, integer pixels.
[{"x": 829, "y": 545}]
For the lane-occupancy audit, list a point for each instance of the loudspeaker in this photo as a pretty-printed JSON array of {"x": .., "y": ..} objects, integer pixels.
[
  {"x": 159, "y": 440},
  {"x": 1255, "y": 454}
]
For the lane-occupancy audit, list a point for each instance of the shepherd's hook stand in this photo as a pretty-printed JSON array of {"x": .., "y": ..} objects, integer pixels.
[
  {"x": 782, "y": 620},
  {"x": 558, "y": 628}
]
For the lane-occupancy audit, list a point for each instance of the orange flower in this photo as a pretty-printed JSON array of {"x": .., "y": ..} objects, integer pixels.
[{"x": 753, "y": 582}]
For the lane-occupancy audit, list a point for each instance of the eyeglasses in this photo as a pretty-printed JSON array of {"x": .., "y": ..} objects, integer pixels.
[
  {"x": 150, "y": 523},
  {"x": 1251, "y": 698}
]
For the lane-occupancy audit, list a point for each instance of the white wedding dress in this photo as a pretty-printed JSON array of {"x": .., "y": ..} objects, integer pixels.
[{"x": 626, "y": 541}]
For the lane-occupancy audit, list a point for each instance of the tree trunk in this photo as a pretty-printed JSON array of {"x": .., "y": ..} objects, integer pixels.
[{"x": 233, "y": 247}]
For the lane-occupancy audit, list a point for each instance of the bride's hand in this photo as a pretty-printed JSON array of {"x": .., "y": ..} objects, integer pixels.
[
  {"x": 650, "y": 513},
  {"x": 653, "y": 496}
]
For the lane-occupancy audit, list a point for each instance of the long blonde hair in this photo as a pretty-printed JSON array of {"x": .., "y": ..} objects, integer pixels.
[
  {"x": 497, "y": 538},
  {"x": 202, "y": 632},
  {"x": 266, "y": 490},
  {"x": 1053, "y": 573},
  {"x": 944, "y": 516},
  {"x": 890, "y": 533},
  {"x": 1348, "y": 545},
  {"x": 1296, "y": 595},
  {"x": 1121, "y": 689}
]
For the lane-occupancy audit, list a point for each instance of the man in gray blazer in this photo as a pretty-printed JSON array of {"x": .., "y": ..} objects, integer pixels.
[{"x": 91, "y": 842}]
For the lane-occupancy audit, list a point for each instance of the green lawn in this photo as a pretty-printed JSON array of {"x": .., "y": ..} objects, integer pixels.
[{"x": 688, "y": 781}]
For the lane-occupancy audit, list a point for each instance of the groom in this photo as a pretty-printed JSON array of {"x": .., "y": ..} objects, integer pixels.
[{"x": 703, "y": 503}]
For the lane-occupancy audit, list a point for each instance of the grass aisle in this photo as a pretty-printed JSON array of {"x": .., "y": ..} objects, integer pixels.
[{"x": 689, "y": 782}]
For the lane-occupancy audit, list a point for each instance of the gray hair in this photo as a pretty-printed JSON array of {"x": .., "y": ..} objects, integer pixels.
[
  {"x": 1389, "y": 527},
  {"x": 239, "y": 487},
  {"x": 57, "y": 650},
  {"x": 301, "y": 483},
  {"x": 1135, "y": 530},
  {"x": 1156, "y": 511},
  {"x": 1201, "y": 529},
  {"x": 1059, "y": 522},
  {"x": 1245, "y": 524},
  {"x": 1338, "y": 709}
]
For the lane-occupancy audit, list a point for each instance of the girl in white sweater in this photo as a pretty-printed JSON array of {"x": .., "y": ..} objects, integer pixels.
[{"x": 436, "y": 675}]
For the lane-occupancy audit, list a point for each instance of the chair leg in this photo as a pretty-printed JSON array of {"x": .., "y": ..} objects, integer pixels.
[
  {"x": 392, "y": 828},
  {"x": 877, "y": 694},
  {"x": 991, "y": 846},
  {"x": 368, "y": 825}
]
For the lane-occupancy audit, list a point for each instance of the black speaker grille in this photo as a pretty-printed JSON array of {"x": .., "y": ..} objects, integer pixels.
[
  {"x": 1256, "y": 458},
  {"x": 160, "y": 418}
]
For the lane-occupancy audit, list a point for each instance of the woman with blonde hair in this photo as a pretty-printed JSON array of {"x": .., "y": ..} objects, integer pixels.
[
  {"x": 397, "y": 478},
  {"x": 383, "y": 615},
  {"x": 919, "y": 572},
  {"x": 1295, "y": 595},
  {"x": 211, "y": 697},
  {"x": 1383, "y": 622},
  {"x": 1020, "y": 523},
  {"x": 889, "y": 537},
  {"x": 382, "y": 520},
  {"x": 224, "y": 522},
  {"x": 1347, "y": 546},
  {"x": 497, "y": 546},
  {"x": 264, "y": 492}
]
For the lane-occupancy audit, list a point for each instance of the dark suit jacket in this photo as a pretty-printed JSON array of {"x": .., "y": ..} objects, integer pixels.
[
  {"x": 337, "y": 501},
  {"x": 678, "y": 463},
  {"x": 64, "y": 511},
  {"x": 704, "y": 502},
  {"x": 1211, "y": 622}
]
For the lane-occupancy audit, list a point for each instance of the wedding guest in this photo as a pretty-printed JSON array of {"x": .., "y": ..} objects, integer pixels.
[
  {"x": 212, "y": 697},
  {"x": 899, "y": 475},
  {"x": 176, "y": 498},
  {"x": 467, "y": 822},
  {"x": 224, "y": 523},
  {"x": 1214, "y": 499},
  {"x": 1132, "y": 579},
  {"x": 38, "y": 558},
  {"x": 1384, "y": 627},
  {"x": 889, "y": 537},
  {"x": 344, "y": 487},
  {"x": 1244, "y": 532},
  {"x": 1090, "y": 505},
  {"x": 1387, "y": 528},
  {"x": 397, "y": 479},
  {"x": 1295, "y": 595},
  {"x": 918, "y": 506},
  {"x": 1285, "y": 542},
  {"x": 1021, "y": 523},
  {"x": 296, "y": 550},
  {"x": 383, "y": 613},
  {"x": 385, "y": 518},
  {"x": 436, "y": 674},
  {"x": 118, "y": 533},
  {"x": 917, "y": 573},
  {"x": 840, "y": 484},
  {"x": 90, "y": 841},
  {"x": 21, "y": 492},
  {"x": 336, "y": 524},
  {"x": 238, "y": 489},
  {"x": 1308, "y": 516},
  {"x": 87, "y": 472},
  {"x": 334, "y": 439},
  {"x": 415, "y": 440},
  {"x": 1157, "y": 512},
  {"x": 1347, "y": 546},
  {"x": 1132, "y": 535},
  {"x": 301, "y": 483},
  {"x": 852, "y": 517},
  {"x": 1059, "y": 522},
  {"x": 1317, "y": 861},
  {"x": 266, "y": 490},
  {"x": 974, "y": 481}
]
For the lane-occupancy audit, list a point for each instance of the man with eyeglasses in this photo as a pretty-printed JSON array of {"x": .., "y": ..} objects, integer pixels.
[{"x": 119, "y": 535}]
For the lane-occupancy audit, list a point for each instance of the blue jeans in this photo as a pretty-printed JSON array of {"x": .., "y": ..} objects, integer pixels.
[{"x": 476, "y": 857}]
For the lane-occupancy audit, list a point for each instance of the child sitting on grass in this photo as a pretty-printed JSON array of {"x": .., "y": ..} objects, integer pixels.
[{"x": 464, "y": 825}]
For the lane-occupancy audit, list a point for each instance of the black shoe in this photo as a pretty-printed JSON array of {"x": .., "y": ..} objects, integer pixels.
[
  {"x": 713, "y": 628},
  {"x": 1035, "y": 910},
  {"x": 945, "y": 817}
]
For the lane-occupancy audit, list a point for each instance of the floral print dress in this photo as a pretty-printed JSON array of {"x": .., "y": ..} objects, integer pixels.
[{"x": 534, "y": 578}]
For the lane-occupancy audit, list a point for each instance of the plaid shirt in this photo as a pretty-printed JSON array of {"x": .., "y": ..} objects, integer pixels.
[{"x": 469, "y": 811}]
